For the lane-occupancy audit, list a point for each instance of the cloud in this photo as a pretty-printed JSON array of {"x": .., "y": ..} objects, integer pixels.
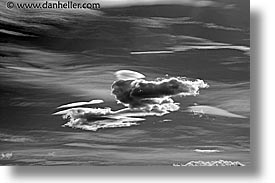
[
  {"x": 141, "y": 98},
  {"x": 141, "y": 93},
  {"x": 128, "y": 75},
  {"x": 207, "y": 150},
  {"x": 76, "y": 104},
  {"x": 101, "y": 124},
  {"x": 93, "y": 119},
  {"x": 209, "y": 110},
  {"x": 211, "y": 163}
]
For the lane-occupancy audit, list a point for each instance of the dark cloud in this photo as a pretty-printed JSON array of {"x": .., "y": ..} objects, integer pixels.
[{"x": 140, "y": 92}]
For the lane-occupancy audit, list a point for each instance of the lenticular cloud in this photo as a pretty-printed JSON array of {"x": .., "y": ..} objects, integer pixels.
[{"x": 140, "y": 97}]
